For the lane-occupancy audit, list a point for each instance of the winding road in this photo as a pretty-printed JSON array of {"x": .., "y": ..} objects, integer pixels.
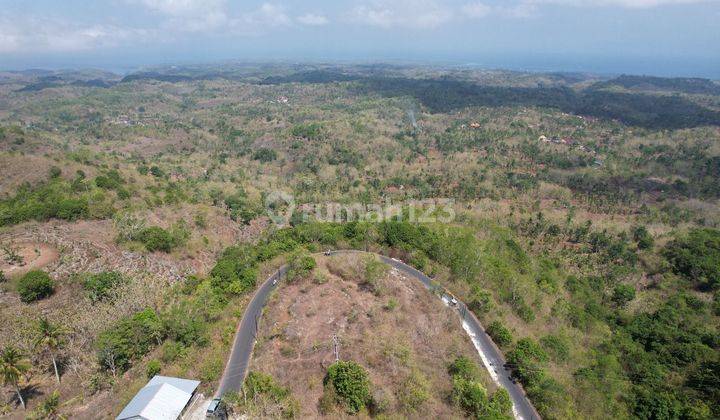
[{"x": 245, "y": 337}]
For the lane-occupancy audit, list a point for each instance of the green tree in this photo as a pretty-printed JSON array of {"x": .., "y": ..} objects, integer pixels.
[
  {"x": 527, "y": 360},
  {"x": 622, "y": 294},
  {"x": 265, "y": 155},
  {"x": 465, "y": 368},
  {"x": 153, "y": 368},
  {"x": 156, "y": 239},
  {"x": 300, "y": 264},
  {"x": 13, "y": 365},
  {"x": 101, "y": 285},
  {"x": 351, "y": 384},
  {"x": 35, "y": 285},
  {"x": 129, "y": 339},
  {"x": 500, "y": 334},
  {"x": 49, "y": 408},
  {"x": 697, "y": 256},
  {"x": 51, "y": 338},
  {"x": 643, "y": 238}
]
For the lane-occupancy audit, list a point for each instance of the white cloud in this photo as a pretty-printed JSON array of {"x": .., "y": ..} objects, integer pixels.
[
  {"x": 531, "y": 8},
  {"x": 312, "y": 19},
  {"x": 183, "y": 7},
  {"x": 403, "y": 13},
  {"x": 476, "y": 10},
  {"x": 177, "y": 19},
  {"x": 21, "y": 34},
  {"x": 629, "y": 4},
  {"x": 188, "y": 15},
  {"x": 267, "y": 15}
]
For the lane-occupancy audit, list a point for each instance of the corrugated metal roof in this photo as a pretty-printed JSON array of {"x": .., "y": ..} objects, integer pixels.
[
  {"x": 163, "y": 398},
  {"x": 186, "y": 385}
]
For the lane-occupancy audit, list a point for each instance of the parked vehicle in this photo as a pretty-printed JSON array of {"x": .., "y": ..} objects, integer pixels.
[{"x": 216, "y": 409}]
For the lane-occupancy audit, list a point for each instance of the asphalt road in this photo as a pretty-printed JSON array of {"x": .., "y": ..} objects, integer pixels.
[
  {"x": 245, "y": 337},
  {"x": 239, "y": 360}
]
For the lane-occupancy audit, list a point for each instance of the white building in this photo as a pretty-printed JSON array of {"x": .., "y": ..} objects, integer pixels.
[{"x": 163, "y": 398}]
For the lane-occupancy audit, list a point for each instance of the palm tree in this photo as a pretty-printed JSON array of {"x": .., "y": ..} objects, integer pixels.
[
  {"x": 12, "y": 366},
  {"x": 51, "y": 338},
  {"x": 50, "y": 408}
]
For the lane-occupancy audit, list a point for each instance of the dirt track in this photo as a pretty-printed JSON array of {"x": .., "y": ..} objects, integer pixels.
[{"x": 34, "y": 255}]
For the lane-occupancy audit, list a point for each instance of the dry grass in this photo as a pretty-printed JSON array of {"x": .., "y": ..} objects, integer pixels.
[{"x": 401, "y": 333}]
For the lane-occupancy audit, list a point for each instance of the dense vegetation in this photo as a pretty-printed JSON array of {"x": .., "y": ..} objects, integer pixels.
[
  {"x": 472, "y": 397},
  {"x": 632, "y": 108}
]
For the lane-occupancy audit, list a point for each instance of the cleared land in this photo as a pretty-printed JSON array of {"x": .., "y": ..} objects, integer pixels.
[{"x": 397, "y": 330}]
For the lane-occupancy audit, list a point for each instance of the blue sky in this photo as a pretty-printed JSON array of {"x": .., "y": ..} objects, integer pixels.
[{"x": 663, "y": 37}]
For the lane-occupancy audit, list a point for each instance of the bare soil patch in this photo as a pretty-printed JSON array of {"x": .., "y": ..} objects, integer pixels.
[
  {"x": 31, "y": 256},
  {"x": 397, "y": 330}
]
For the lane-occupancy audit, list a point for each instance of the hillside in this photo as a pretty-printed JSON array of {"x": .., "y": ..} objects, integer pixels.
[{"x": 577, "y": 216}]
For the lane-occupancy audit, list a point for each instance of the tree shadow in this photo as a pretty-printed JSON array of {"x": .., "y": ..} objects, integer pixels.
[{"x": 28, "y": 392}]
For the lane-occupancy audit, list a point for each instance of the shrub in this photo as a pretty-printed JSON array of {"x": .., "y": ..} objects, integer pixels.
[
  {"x": 241, "y": 208},
  {"x": 351, "y": 384},
  {"x": 697, "y": 257},
  {"x": 48, "y": 408},
  {"x": 123, "y": 194},
  {"x": 557, "y": 347},
  {"x": 328, "y": 401},
  {"x": 373, "y": 272},
  {"x": 235, "y": 271},
  {"x": 415, "y": 390},
  {"x": 480, "y": 301},
  {"x": 109, "y": 181},
  {"x": 643, "y": 238},
  {"x": 183, "y": 324},
  {"x": 156, "y": 239},
  {"x": 35, "y": 285},
  {"x": 391, "y": 304},
  {"x": 100, "y": 286},
  {"x": 470, "y": 395},
  {"x": 54, "y": 172},
  {"x": 157, "y": 172},
  {"x": 300, "y": 265},
  {"x": 211, "y": 368},
  {"x": 261, "y": 388},
  {"x": 171, "y": 351},
  {"x": 265, "y": 155},
  {"x": 153, "y": 368},
  {"x": 3, "y": 279},
  {"x": 500, "y": 334},
  {"x": 501, "y": 403},
  {"x": 622, "y": 294},
  {"x": 527, "y": 360},
  {"x": 464, "y": 368},
  {"x": 72, "y": 209},
  {"x": 180, "y": 233},
  {"x": 312, "y": 131},
  {"x": 129, "y": 339}
]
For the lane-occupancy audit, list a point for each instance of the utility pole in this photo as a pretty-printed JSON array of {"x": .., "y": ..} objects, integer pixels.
[{"x": 336, "y": 347}]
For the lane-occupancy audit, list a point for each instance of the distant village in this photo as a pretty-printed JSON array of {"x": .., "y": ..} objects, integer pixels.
[{"x": 563, "y": 141}]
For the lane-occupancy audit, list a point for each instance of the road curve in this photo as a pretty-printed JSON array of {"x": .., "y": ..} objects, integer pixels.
[{"x": 245, "y": 337}]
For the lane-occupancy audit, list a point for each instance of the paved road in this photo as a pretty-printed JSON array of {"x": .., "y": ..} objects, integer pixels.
[{"x": 237, "y": 365}]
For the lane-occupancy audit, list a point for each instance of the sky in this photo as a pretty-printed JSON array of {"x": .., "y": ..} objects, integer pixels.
[{"x": 658, "y": 37}]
